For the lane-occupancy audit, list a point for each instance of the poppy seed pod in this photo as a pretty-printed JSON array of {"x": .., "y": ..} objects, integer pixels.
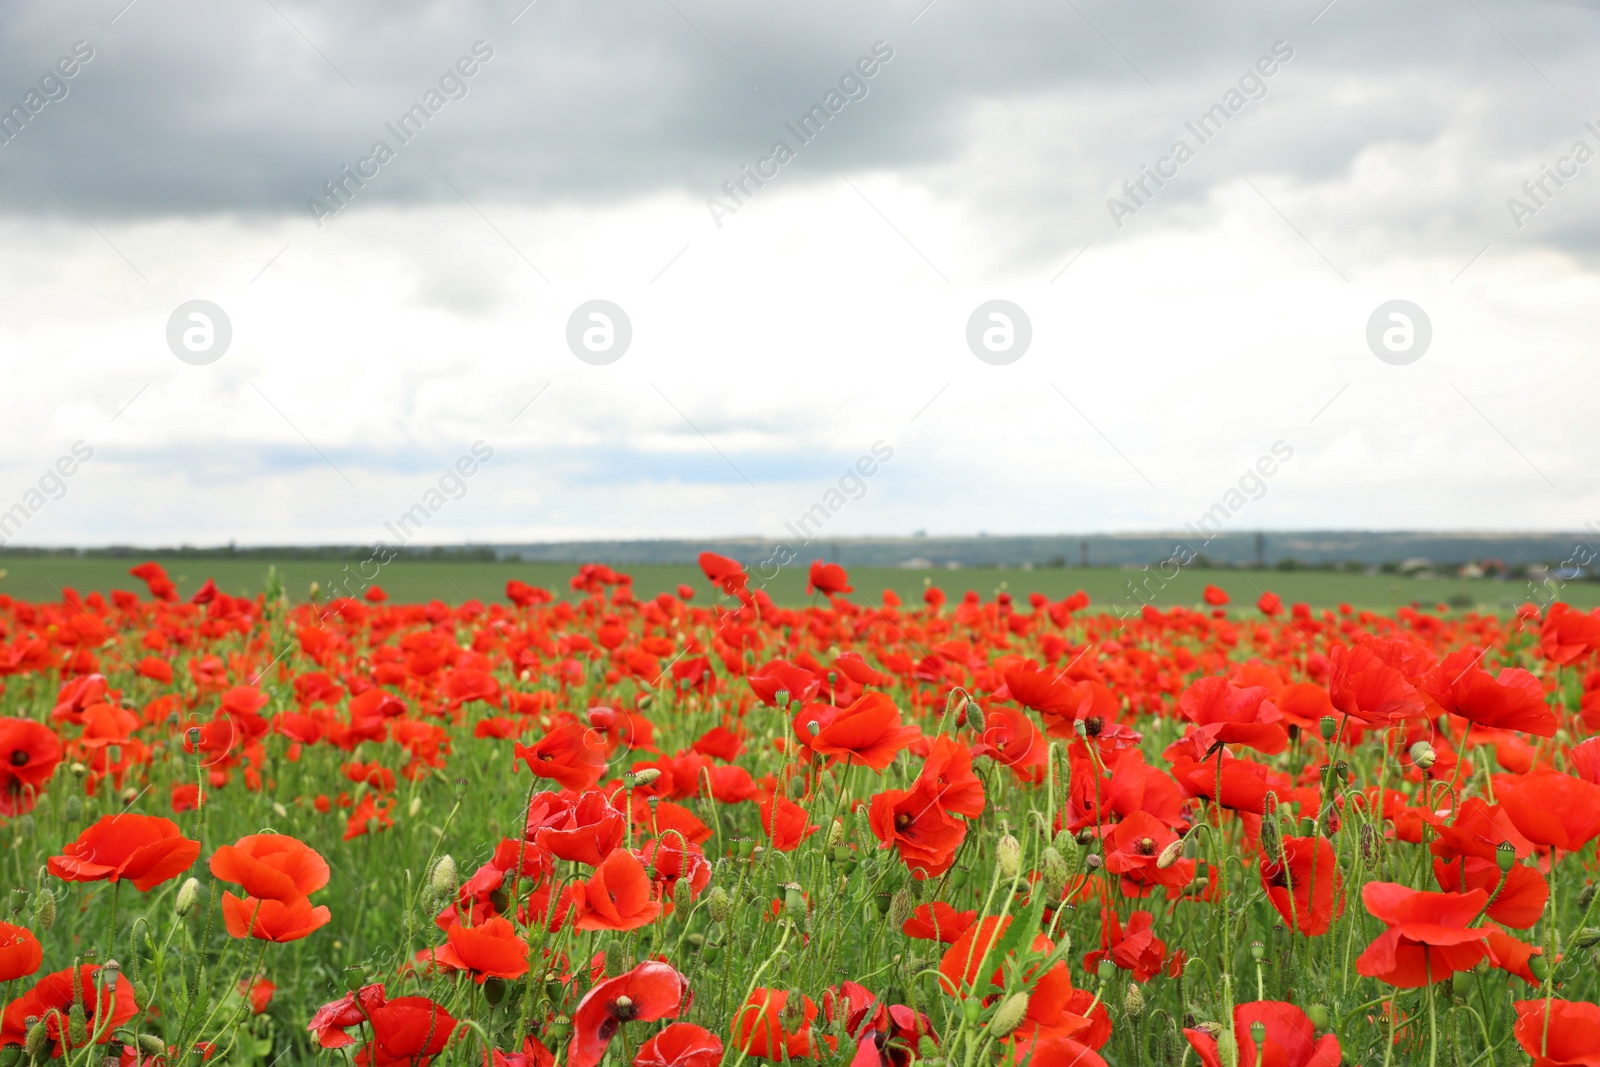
[
  {"x": 1327, "y": 726},
  {"x": 781, "y": 698},
  {"x": 1009, "y": 1015},
  {"x": 1258, "y": 1032},
  {"x": 1505, "y": 854},
  {"x": 494, "y": 990},
  {"x": 1105, "y": 970},
  {"x": 1008, "y": 854},
  {"x": 19, "y": 900}
]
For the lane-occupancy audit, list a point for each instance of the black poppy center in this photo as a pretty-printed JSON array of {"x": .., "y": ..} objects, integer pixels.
[{"x": 20, "y": 757}]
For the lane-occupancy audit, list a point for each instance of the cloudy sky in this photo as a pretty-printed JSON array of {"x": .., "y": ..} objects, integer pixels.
[{"x": 536, "y": 157}]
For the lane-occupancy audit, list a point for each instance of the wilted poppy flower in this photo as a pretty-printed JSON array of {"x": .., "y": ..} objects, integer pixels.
[
  {"x": 1303, "y": 883},
  {"x": 1428, "y": 938},
  {"x": 571, "y": 755},
  {"x": 1290, "y": 1039},
  {"x": 1135, "y": 948},
  {"x": 408, "y": 1030},
  {"x": 20, "y": 952},
  {"x": 649, "y": 992},
  {"x": 51, "y": 999},
  {"x": 144, "y": 849},
  {"x": 913, "y": 823},
  {"x": 330, "y": 1021},
  {"x": 616, "y": 896},
  {"x": 758, "y": 1027},
  {"x": 1558, "y": 1033},
  {"x": 29, "y": 752},
  {"x": 1224, "y": 713},
  {"x": 274, "y": 866},
  {"x": 867, "y": 732},
  {"x": 491, "y": 949}
]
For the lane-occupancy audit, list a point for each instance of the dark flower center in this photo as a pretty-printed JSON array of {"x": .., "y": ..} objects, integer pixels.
[
  {"x": 902, "y": 820},
  {"x": 1093, "y": 725},
  {"x": 1146, "y": 846},
  {"x": 20, "y": 757},
  {"x": 622, "y": 1009}
]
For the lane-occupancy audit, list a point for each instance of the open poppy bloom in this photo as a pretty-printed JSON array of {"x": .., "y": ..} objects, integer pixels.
[
  {"x": 1291, "y": 1040},
  {"x": 1569, "y": 1038},
  {"x": 827, "y": 578},
  {"x": 20, "y": 952},
  {"x": 588, "y": 834},
  {"x": 616, "y": 896},
  {"x": 1134, "y": 948},
  {"x": 680, "y": 1045},
  {"x": 407, "y": 1030},
  {"x": 867, "y": 732},
  {"x": 272, "y": 920},
  {"x": 1466, "y": 856},
  {"x": 330, "y": 1021},
  {"x": 649, "y": 992},
  {"x": 1549, "y": 808},
  {"x": 144, "y": 849},
  {"x": 1303, "y": 883},
  {"x": 947, "y": 770},
  {"x": 938, "y": 922},
  {"x": 1428, "y": 938},
  {"x": 914, "y": 824},
  {"x": 51, "y": 1000},
  {"x": 490, "y": 949},
  {"x": 758, "y": 1027},
  {"x": 1365, "y": 687},
  {"x": 1223, "y": 713},
  {"x": 573, "y": 756},
  {"x": 1513, "y": 700},
  {"x": 785, "y": 822},
  {"x": 29, "y": 753},
  {"x": 1133, "y": 850},
  {"x": 273, "y": 866}
]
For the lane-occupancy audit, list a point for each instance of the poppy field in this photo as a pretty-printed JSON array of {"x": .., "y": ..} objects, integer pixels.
[{"x": 705, "y": 828}]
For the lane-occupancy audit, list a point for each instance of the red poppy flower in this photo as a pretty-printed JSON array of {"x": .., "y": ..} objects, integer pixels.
[
  {"x": 785, "y": 822},
  {"x": 1364, "y": 687},
  {"x": 491, "y": 949},
  {"x": 758, "y": 1028},
  {"x": 948, "y": 773},
  {"x": 1291, "y": 1039},
  {"x": 828, "y": 579},
  {"x": 649, "y": 992},
  {"x": 1011, "y": 739},
  {"x": 272, "y": 920},
  {"x": 1269, "y": 604},
  {"x": 1512, "y": 701},
  {"x": 616, "y": 896},
  {"x": 330, "y": 1021},
  {"x": 1567, "y": 634},
  {"x": 1428, "y": 938},
  {"x": 1304, "y": 883},
  {"x": 258, "y": 992},
  {"x": 1550, "y": 808},
  {"x": 20, "y": 952},
  {"x": 407, "y": 1030},
  {"x": 29, "y": 752},
  {"x": 962, "y": 963},
  {"x": 51, "y": 1000},
  {"x": 914, "y": 824},
  {"x": 1558, "y": 1033},
  {"x": 1466, "y": 856},
  {"x": 1133, "y": 850},
  {"x": 588, "y": 834},
  {"x": 726, "y": 574},
  {"x": 1224, "y": 713},
  {"x": 780, "y": 676},
  {"x": 144, "y": 849},
  {"x": 938, "y": 922},
  {"x": 273, "y": 866},
  {"x": 573, "y": 756},
  {"x": 1135, "y": 948},
  {"x": 867, "y": 732},
  {"x": 1214, "y": 596},
  {"x": 680, "y": 1045}
]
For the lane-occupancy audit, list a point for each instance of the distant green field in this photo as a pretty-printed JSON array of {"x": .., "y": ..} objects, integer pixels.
[{"x": 43, "y": 578}]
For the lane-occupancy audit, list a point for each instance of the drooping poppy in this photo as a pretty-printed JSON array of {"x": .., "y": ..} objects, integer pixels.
[
  {"x": 650, "y": 991},
  {"x": 573, "y": 756},
  {"x": 143, "y": 849},
  {"x": 1304, "y": 883},
  {"x": 1428, "y": 938},
  {"x": 1290, "y": 1039}
]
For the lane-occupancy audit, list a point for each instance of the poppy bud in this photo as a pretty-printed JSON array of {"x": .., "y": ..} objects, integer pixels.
[
  {"x": 1588, "y": 937},
  {"x": 1133, "y": 1001},
  {"x": 188, "y": 898},
  {"x": 444, "y": 876},
  {"x": 1009, "y": 1015},
  {"x": 901, "y": 905},
  {"x": 797, "y": 787},
  {"x": 77, "y": 1025},
  {"x": 1271, "y": 843},
  {"x": 151, "y": 1045},
  {"x": 1461, "y": 985},
  {"x": 74, "y": 808},
  {"x": 1505, "y": 854},
  {"x": 926, "y": 1048},
  {"x": 1065, "y": 842},
  {"x": 494, "y": 990},
  {"x": 975, "y": 716},
  {"x": 616, "y": 960},
  {"x": 1327, "y": 727},
  {"x": 79, "y": 770},
  {"x": 1423, "y": 755},
  {"x": 1008, "y": 854},
  {"x": 836, "y": 833},
  {"x": 1227, "y": 1048},
  {"x": 717, "y": 904},
  {"x": 1538, "y": 967},
  {"x": 1171, "y": 854},
  {"x": 1318, "y": 1014},
  {"x": 1105, "y": 970},
  {"x": 38, "y": 1039},
  {"x": 47, "y": 910},
  {"x": 314, "y": 593},
  {"x": 1054, "y": 870},
  {"x": 647, "y": 776}
]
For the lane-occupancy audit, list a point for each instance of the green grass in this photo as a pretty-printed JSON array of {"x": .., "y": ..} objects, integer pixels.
[{"x": 43, "y": 577}]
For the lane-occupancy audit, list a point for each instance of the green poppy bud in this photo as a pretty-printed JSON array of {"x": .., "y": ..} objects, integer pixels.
[
  {"x": 1319, "y": 1016},
  {"x": 975, "y": 717},
  {"x": 77, "y": 1025},
  {"x": 354, "y": 978},
  {"x": 1008, "y": 854},
  {"x": 1133, "y": 1001},
  {"x": 1423, "y": 755},
  {"x": 1171, "y": 854},
  {"x": 444, "y": 876},
  {"x": 1539, "y": 968},
  {"x": 1009, "y": 1015},
  {"x": 37, "y": 1041},
  {"x": 1053, "y": 868},
  {"x": 47, "y": 910},
  {"x": 188, "y": 898},
  {"x": 718, "y": 905}
]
